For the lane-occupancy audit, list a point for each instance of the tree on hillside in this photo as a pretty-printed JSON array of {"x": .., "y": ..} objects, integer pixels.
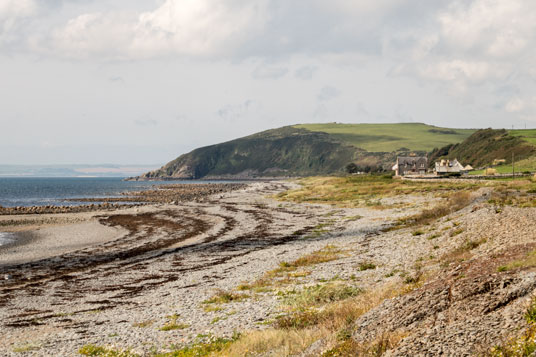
[{"x": 352, "y": 168}]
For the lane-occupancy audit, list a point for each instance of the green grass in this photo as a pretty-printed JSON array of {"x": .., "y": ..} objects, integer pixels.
[
  {"x": 354, "y": 191},
  {"x": 224, "y": 297},
  {"x": 26, "y": 347},
  {"x": 526, "y": 262},
  {"x": 529, "y": 135},
  {"x": 391, "y": 137},
  {"x": 519, "y": 167},
  {"x": 173, "y": 325},
  {"x": 95, "y": 350},
  {"x": 367, "y": 266},
  {"x": 319, "y": 294}
]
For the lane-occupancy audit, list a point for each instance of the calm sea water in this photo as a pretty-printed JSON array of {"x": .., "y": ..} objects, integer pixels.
[{"x": 33, "y": 191}]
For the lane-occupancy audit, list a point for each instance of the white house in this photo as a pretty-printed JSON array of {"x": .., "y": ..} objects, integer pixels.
[{"x": 445, "y": 167}]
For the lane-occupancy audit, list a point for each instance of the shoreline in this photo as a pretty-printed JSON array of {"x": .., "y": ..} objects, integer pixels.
[{"x": 233, "y": 262}]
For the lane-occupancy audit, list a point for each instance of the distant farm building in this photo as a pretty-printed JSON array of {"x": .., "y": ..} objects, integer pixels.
[
  {"x": 468, "y": 168},
  {"x": 446, "y": 167},
  {"x": 410, "y": 165}
]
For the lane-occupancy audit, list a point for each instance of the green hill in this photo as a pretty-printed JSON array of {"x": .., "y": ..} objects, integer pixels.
[
  {"x": 391, "y": 137},
  {"x": 487, "y": 145},
  {"x": 309, "y": 149},
  {"x": 279, "y": 152}
]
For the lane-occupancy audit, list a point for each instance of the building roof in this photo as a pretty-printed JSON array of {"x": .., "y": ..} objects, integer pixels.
[
  {"x": 445, "y": 166},
  {"x": 411, "y": 160}
]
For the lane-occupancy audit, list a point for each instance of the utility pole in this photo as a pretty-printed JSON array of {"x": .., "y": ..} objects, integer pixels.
[{"x": 513, "y": 172}]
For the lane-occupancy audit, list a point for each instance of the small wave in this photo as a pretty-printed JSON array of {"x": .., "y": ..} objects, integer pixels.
[{"x": 6, "y": 238}]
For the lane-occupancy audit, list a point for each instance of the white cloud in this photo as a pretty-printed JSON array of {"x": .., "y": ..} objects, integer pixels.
[
  {"x": 12, "y": 13},
  {"x": 493, "y": 27},
  {"x": 176, "y": 27},
  {"x": 469, "y": 44},
  {"x": 12, "y": 10},
  {"x": 458, "y": 70},
  {"x": 269, "y": 72},
  {"x": 514, "y": 105}
]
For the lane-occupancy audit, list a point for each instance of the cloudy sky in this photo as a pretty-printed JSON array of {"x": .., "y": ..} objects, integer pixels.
[{"x": 142, "y": 81}]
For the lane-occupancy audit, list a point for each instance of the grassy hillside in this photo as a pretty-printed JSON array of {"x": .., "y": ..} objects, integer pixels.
[
  {"x": 279, "y": 152},
  {"x": 486, "y": 145},
  {"x": 528, "y": 135},
  {"x": 391, "y": 137},
  {"x": 525, "y": 165},
  {"x": 312, "y": 149}
]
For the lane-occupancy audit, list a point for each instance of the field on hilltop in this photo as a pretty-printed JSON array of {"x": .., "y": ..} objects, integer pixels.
[
  {"x": 310, "y": 149},
  {"x": 325, "y": 149},
  {"x": 391, "y": 137},
  {"x": 528, "y": 135}
]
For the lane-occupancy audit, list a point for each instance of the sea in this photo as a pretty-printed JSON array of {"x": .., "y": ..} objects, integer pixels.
[{"x": 37, "y": 191}]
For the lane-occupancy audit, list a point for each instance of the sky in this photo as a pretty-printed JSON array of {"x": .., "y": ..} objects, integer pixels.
[{"x": 143, "y": 81}]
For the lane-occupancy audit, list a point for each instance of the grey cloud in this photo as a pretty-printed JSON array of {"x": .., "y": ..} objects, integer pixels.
[
  {"x": 116, "y": 79},
  {"x": 328, "y": 93},
  {"x": 305, "y": 72},
  {"x": 269, "y": 72},
  {"x": 235, "y": 112},
  {"x": 146, "y": 122}
]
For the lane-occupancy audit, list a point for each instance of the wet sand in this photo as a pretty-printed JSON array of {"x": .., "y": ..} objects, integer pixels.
[{"x": 47, "y": 242}]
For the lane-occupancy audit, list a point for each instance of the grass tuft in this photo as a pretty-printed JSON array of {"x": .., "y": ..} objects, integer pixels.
[
  {"x": 173, "y": 325},
  {"x": 201, "y": 349},
  {"x": 224, "y": 297},
  {"x": 367, "y": 266},
  {"x": 100, "y": 351}
]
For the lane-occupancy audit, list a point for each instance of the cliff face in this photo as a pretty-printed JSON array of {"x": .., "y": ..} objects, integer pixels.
[
  {"x": 305, "y": 150},
  {"x": 274, "y": 153}
]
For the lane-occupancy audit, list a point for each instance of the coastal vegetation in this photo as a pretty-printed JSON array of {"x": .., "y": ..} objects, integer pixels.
[
  {"x": 486, "y": 146},
  {"x": 368, "y": 190},
  {"x": 391, "y": 137},
  {"x": 320, "y": 149},
  {"x": 309, "y": 149},
  {"x": 369, "y": 252}
]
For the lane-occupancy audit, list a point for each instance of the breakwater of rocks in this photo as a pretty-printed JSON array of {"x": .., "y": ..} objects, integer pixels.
[{"x": 168, "y": 194}]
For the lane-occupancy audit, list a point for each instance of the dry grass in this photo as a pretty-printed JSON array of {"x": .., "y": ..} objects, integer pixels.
[
  {"x": 513, "y": 195},
  {"x": 287, "y": 271},
  {"x": 143, "y": 324},
  {"x": 224, "y": 297},
  {"x": 378, "y": 347},
  {"x": 330, "y": 323},
  {"x": 524, "y": 344},
  {"x": 172, "y": 324},
  {"x": 311, "y": 296},
  {"x": 274, "y": 342},
  {"x": 455, "y": 202},
  {"x": 527, "y": 262},
  {"x": 365, "y": 190},
  {"x": 212, "y": 308},
  {"x": 340, "y": 314},
  {"x": 95, "y": 350},
  {"x": 26, "y": 347},
  {"x": 462, "y": 253}
]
